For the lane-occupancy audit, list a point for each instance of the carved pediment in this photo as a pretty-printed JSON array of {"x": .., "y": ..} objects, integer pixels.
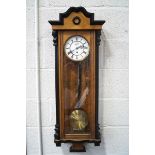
[{"x": 76, "y": 18}]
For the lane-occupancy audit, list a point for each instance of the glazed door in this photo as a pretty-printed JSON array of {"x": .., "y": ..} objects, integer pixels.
[{"x": 77, "y": 93}]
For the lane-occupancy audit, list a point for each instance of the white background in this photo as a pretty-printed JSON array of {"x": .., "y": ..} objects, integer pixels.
[{"x": 12, "y": 79}]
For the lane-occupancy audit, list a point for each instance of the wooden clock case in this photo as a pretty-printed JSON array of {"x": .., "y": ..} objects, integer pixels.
[{"x": 76, "y": 21}]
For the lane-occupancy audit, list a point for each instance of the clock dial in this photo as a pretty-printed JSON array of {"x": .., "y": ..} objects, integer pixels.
[{"x": 77, "y": 48}]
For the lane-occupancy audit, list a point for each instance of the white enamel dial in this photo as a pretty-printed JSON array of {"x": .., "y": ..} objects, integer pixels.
[{"x": 76, "y": 48}]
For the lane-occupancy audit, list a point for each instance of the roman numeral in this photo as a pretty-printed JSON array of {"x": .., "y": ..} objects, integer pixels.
[{"x": 69, "y": 52}]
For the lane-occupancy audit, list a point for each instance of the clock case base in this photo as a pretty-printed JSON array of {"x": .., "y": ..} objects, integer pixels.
[
  {"x": 77, "y": 147},
  {"x": 57, "y": 138},
  {"x": 59, "y": 141}
]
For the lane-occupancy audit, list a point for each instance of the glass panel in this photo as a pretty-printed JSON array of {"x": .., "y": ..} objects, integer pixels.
[{"x": 76, "y": 96}]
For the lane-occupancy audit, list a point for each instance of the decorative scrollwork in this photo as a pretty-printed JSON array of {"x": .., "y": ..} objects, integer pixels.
[
  {"x": 98, "y": 39},
  {"x": 97, "y": 131},
  {"x": 55, "y": 37},
  {"x": 56, "y": 135}
]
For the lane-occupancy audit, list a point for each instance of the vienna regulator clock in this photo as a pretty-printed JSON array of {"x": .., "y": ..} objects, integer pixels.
[{"x": 76, "y": 40}]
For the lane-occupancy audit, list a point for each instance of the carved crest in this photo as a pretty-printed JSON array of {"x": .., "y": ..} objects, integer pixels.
[{"x": 76, "y": 18}]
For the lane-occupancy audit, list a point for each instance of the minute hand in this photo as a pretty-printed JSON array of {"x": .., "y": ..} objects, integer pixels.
[{"x": 77, "y": 48}]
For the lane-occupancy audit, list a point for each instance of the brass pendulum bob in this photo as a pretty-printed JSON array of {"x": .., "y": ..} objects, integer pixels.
[{"x": 78, "y": 120}]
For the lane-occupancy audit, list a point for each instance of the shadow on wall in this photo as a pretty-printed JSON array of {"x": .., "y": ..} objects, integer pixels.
[
  {"x": 104, "y": 54},
  {"x": 90, "y": 148}
]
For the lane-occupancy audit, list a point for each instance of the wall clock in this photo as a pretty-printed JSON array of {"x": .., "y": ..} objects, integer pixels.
[{"x": 76, "y": 40}]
